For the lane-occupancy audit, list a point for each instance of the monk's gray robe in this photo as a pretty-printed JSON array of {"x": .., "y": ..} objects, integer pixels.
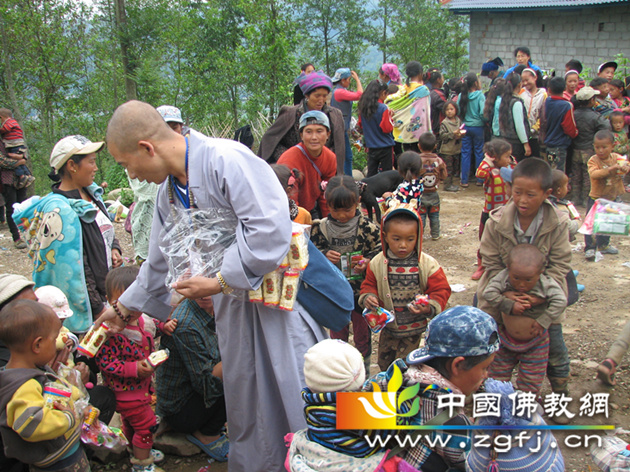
[{"x": 262, "y": 348}]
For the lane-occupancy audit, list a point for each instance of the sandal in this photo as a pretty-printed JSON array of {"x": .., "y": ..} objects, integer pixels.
[
  {"x": 606, "y": 372},
  {"x": 217, "y": 449},
  {"x": 463, "y": 185}
]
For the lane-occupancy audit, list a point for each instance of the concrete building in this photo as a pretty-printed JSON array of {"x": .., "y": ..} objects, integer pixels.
[{"x": 592, "y": 31}]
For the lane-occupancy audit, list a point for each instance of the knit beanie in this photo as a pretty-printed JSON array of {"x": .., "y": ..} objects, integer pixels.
[
  {"x": 333, "y": 365},
  {"x": 518, "y": 459}
]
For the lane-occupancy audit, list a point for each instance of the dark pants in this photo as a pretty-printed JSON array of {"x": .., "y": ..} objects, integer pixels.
[
  {"x": 411, "y": 147},
  {"x": 195, "y": 416},
  {"x": 518, "y": 149},
  {"x": 12, "y": 195},
  {"x": 379, "y": 157},
  {"x": 559, "y": 364},
  {"x": 535, "y": 146},
  {"x": 600, "y": 240},
  {"x": 104, "y": 399}
]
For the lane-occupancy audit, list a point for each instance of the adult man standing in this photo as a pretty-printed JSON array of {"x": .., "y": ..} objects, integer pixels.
[{"x": 262, "y": 348}]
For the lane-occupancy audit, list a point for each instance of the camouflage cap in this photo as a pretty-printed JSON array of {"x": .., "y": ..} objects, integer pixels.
[{"x": 459, "y": 331}]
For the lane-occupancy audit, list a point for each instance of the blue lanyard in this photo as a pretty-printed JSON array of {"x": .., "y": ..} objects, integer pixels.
[{"x": 183, "y": 197}]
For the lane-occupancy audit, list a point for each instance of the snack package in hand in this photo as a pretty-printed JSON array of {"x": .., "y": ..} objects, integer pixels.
[{"x": 377, "y": 318}]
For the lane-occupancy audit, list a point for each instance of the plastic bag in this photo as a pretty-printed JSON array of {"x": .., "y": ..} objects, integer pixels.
[
  {"x": 194, "y": 241},
  {"x": 377, "y": 318},
  {"x": 97, "y": 433},
  {"x": 606, "y": 217},
  {"x": 279, "y": 288}
]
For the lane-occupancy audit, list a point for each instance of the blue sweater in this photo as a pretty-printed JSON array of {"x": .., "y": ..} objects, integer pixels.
[
  {"x": 474, "y": 112},
  {"x": 372, "y": 132},
  {"x": 555, "y": 113}
]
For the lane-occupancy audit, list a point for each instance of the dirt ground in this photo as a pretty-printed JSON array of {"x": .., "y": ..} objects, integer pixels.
[{"x": 591, "y": 325}]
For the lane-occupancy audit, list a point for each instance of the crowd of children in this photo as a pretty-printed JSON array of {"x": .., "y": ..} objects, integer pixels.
[{"x": 516, "y": 140}]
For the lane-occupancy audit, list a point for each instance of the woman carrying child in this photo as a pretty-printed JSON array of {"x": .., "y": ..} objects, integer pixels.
[
  {"x": 513, "y": 123},
  {"x": 349, "y": 240},
  {"x": 376, "y": 122}
]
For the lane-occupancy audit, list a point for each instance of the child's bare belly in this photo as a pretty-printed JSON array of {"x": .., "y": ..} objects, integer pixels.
[{"x": 518, "y": 327}]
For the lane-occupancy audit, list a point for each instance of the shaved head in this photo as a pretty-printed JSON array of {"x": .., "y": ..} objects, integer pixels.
[{"x": 135, "y": 121}]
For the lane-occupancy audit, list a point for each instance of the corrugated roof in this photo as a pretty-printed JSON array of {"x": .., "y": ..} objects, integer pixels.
[{"x": 460, "y": 6}]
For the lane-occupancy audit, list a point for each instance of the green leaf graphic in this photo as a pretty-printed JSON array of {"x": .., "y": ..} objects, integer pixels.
[
  {"x": 408, "y": 394},
  {"x": 415, "y": 408}
]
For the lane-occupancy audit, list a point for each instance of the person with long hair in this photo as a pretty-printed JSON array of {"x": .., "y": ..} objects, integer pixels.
[
  {"x": 377, "y": 125},
  {"x": 534, "y": 98},
  {"x": 438, "y": 99},
  {"x": 471, "y": 103},
  {"x": 513, "y": 122}
]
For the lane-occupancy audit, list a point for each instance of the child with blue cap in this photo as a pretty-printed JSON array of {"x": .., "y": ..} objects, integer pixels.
[{"x": 460, "y": 344}]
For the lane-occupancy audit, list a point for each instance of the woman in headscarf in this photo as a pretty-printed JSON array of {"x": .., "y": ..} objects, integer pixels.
[
  {"x": 389, "y": 74},
  {"x": 284, "y": 133}
]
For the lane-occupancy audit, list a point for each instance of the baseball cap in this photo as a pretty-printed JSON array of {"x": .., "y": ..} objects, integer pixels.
[
  {"x": 54, "y": 298},
  {"x": 314, "y": 117},
  {"x": 605, "y": 65},
  {"x": 459, "y": 331},
  {"x": 333, "y": 365},
  {"x": 586, "y": 93},
  {"x": 11, "y": 285},
  {"x": 69, "y": 146},
  {"x": 342, "y": 73},
  {"x": 170, "y": 114}
]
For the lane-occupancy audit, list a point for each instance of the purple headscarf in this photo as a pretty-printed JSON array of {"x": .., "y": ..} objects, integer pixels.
[
  {"x": 314, "y": 80},
  {"x": 391, "y": 70}
]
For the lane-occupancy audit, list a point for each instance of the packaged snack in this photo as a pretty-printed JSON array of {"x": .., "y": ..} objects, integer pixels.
[
  {"x": 272, "y": 288},
  {"x": 285, "y": 264},
  {"x": 256, "y": 296},
  {"x": 298, "y": 251},
  {"x": 289, "y": 289},
  {"x": 57, "y": 392},
  {"x": 573, "y": 213},
  {"x": 356, "y": 258},
  {"x": 377, "y": 318},
  {"x": 622, "y": 162},
  {"x": 158, "y": 357},
  {"x": 93, "y": 340},
  {"x": 419, "y": 300}
]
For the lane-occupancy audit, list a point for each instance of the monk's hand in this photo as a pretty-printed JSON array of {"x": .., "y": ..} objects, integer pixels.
[
  {"x": 197, "y": 287},
  {"x": 115, "y": 322}
]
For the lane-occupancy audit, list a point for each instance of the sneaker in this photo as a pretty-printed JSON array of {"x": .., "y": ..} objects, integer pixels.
[
  {"x": 606, "y": 372},
  {"x": 576, "y": 272},
  {"x": 452, "y": 188},
  {"x": 435, "y": 238},
  {"x": 580, "y": 288},
  {"x": 590, "y": 254},
  {"x": 609, "y": 250},
  {"x": 19, "y": 244}
]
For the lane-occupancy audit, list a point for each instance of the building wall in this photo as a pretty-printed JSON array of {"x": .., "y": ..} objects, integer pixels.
[{"x": 567, "y": 34}]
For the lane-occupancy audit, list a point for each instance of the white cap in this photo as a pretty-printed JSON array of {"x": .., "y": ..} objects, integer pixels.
[
  {"x": 333, "y": 365},
  {"x": 11, "y": 285},
  {"x": 170, "y": 114},
  {"x": 54, "y": 298},
  {"x": 72, "y": 146}
]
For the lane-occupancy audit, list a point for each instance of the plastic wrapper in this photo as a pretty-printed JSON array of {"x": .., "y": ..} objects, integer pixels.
[
  {"x": 279, "y": 288},
  {"x": 290, "y": 282},
  {"x": 348, "y": 265},
  {"x": 97, "y": 433},
  {"x": 158, "y": 357},
  {"x": 419, "y": 300},
  {"x": 194, "y": 242},
  {"x": 57, "y": 392},
  {"x": 606, "y": 217},
  {"x": 377, "y": 318}
]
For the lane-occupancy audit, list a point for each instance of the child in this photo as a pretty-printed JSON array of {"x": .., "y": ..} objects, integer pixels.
[
  {"x": 607, "y": 369},
  {"x": 471, "y": 104},
  {"x": 498, "y": 155},
  {"x": 620, "y": 103},
  {"x": 560, "y": 189},
  {"x": 289, "y": 180},
  {"x": 523, "y": 331},
  {"x": 126, "y": 370},
  {"x": 572, "y": 80},
  {"x": 460, "y": 346},
  {"x": 606, "y": 182},
  {"x": 376, "y": 122},
  {"x": 46, "y": 437},
  {"x": 604, "y": 105},
  {"x": 433, "y": 172},
  {"x": 394, "y": 278},
  {"x": 588, "y": 122},
  {"x": 411, "y": 188},
  {"x": 530, "y": 218},
  {"x": 13, "y": 138},
  {"x": 451, "y": 143},
  {"x": 557, "y": 124},
  {"x": 346, "y": 232},
  {"x": 622, "y": 145}
]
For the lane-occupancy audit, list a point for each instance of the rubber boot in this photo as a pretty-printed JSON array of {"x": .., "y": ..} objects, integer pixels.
[
  {"x": 560, "y": 385},
  {"x": 449, "y": 186},
  {"x": 479, "y": 271}
]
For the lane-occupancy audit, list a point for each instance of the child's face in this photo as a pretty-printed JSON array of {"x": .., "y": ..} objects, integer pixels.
[
  {"x": 563, "y": 189},
  {"x": 615, "y": 92},
  {"x": 603, "y": 147},
  {"x": 47, "y": 345},
  {"x": 603, "y": 90},
  {"x": 528, "y": 196},
  {"x": 343, "y": 215},
  {"x": 617, "y": 123},
  {"x": 607, "y": 73},
  {"x": 503, "y": 160},
  {"x": 450, "y": 112},
  {"x": 401, "y": 237},
  {"x": 572, "y": 82},
  {"x": 469, "y": 381},
  {"x": 523, "y": 277}
]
